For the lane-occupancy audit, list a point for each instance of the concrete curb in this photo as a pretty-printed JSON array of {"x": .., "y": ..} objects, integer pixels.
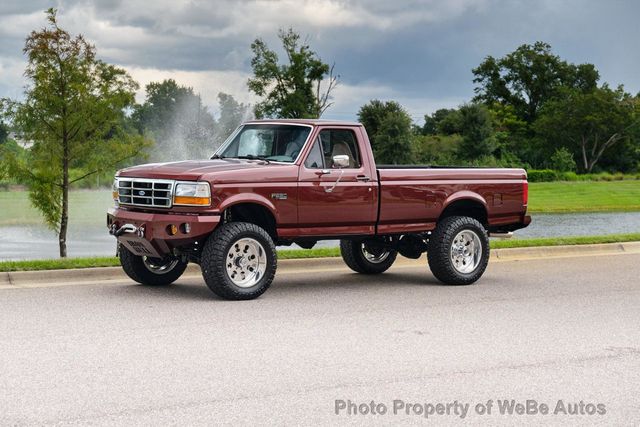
[{"x": 25, "y": 279}]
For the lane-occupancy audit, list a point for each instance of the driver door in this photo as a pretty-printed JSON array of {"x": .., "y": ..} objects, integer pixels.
[{"x": 335, "y": 200}]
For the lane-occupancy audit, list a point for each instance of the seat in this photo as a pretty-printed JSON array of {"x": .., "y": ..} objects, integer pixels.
[
  {"x": 341, "y": 148},
  {"x": 293, "y": 148}
]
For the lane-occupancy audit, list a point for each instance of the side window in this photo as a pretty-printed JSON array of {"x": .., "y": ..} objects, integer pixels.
[
  {"x": 340, "y": 142},
  {"x": 315, "y": 159}
]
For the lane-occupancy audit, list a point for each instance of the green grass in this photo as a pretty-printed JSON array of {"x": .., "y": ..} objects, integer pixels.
[
  {"x": 559, "y": 241},
  {"x": 584, "y": 196},
  {"x": 61, "y": 264},
  {"x": 86, "y": 207},
  {"x": 58, "y": 264}
]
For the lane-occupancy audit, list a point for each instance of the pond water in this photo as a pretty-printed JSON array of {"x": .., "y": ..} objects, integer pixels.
[{"x": 23, "y": 236}]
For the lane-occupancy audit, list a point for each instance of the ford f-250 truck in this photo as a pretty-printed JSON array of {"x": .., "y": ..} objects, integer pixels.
[{"x": 278, "y": 182}]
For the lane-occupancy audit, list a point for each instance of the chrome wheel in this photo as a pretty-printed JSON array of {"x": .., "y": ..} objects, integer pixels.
[
  {"x": 246, "y": 262},
  {"x": 373, "y": 256},
  {"x": 158, "y": 266},
  {"x": 466, "y": 251}
]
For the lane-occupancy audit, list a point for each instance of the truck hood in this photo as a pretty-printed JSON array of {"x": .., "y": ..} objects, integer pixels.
[{"x": 189, "y": 170}]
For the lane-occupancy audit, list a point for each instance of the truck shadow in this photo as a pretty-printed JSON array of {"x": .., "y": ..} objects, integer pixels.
[{"x": 194, "y": 288}]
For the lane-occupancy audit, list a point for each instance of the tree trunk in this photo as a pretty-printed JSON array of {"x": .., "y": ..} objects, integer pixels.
[{"x": 64, "y": 217}]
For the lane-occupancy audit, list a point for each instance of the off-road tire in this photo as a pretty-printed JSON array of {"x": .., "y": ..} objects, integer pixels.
[
  {"x": 133, "y": 265},
  {"x": 213, "y": 260},
  {"x": 351, "y": 251},
  {"x": 439, "y": 250}
]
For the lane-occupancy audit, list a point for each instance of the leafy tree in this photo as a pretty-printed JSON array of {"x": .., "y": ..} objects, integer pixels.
[
  {"x": 176, "y": 119},
  {"x": 528, "y": 77},
  {"x": 73, "y": 111},
  {"x": 372, "y": 114},
  {"x": 394, "y": 139},
  {"x": 232, "y": 114},
  {"x": 4, "y": 132},
  {"x": 389, "y": 128},
  {"x": 562, "y": 160},
  {"x": 451, "y": 123},
  {"x": 589, "y": 124},
  {"x": 432, "y": 122},
  {"x": 477, "y": 132},
  {"x": 292, "y": 90}
]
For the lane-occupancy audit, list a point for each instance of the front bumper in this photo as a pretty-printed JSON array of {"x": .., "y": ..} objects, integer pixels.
[{"x": 147, "y": 234}]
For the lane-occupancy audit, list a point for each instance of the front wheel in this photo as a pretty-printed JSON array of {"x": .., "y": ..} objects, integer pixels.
[
  {"x": 151, "y": 271},
  {"x": 367, "y": 257},
  {"x": 458, "y": 251},
  {"x": 239, "y": 261}
]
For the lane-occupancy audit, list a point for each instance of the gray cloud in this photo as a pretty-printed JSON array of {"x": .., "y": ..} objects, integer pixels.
[{"x": 420, "y": 52}]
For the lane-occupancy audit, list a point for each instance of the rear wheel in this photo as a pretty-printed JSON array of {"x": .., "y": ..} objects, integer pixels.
[
  {"x": 239, "y": 261},
  {"x": 458, "y": 250},
  {"x": 367, "y": 257},
  {"x": 151, "y": 271}
]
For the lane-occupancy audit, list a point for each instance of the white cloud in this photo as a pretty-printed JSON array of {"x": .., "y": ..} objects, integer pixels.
[{"x": 207, "y": 83}]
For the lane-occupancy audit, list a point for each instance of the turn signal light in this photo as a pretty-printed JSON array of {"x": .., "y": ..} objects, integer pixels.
[
  {"x": 189, "y": 200},
  {"x": 172, "y": 230}
]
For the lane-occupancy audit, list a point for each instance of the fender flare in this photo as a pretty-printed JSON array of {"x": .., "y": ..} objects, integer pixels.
[
  {"x": 462, "y": 196},
  {"x": 241, "y": 198}
]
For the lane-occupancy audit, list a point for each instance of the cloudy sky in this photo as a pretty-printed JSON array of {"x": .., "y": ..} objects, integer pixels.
[{"x": 418, "y": 52}]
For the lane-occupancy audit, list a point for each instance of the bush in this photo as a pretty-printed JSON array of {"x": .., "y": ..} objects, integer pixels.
[
  {"x": 562, "y": 160},
  {"x": 542, "y": 175},
  {"x": 569, "y": 176}
]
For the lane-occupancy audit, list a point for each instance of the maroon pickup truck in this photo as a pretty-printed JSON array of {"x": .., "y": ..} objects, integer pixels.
[{"x": 279, "y": 182}]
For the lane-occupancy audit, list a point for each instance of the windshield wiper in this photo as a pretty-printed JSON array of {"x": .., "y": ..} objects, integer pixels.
[{"x": 252, "y": 157}]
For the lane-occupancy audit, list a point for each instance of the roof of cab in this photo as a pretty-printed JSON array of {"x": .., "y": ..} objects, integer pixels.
[{"x": 311, "y": 122}]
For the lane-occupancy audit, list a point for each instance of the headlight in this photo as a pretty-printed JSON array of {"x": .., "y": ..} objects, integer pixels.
[
  {"x": 114, "y": 191},
  {"x": 192, "y": 194}
]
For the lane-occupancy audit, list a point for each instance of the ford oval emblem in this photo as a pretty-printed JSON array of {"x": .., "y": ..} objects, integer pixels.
[{"x": 141, "y": 193}]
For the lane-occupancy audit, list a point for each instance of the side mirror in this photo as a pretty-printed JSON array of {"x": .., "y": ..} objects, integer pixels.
[{"x": 341, "y": 161}]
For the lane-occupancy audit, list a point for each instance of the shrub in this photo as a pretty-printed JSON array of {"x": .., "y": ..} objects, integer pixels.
[
  {"x": 542, "y": 175},
  {"x": 562, "y": 160}
]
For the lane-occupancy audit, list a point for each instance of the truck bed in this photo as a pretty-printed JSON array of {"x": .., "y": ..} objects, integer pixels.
[{"x": 413, "y": 197}]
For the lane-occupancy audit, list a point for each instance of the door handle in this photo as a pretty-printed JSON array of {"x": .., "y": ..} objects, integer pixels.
[
  {"x": 363, "y": 178},
  {"x": 323, "y": 172}
]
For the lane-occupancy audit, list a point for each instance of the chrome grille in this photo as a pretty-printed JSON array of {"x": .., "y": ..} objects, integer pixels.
[{"x": 153, "y": 193}]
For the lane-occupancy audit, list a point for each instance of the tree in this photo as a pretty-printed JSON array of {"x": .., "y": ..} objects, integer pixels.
[
  {"x": 73, "y": 111},
  {"x": 433, "y": 122},
  {"x": 372, "y": 114},
  {"x": 589, "y": 124},
  {"x": 528, "y": 77},
  {"x": 293, "y": 90},
  {"x": 4, "y": 132},
  {"x": 394, "y": 139},
  {"x": 232, "y": 114},
  {"x": 388, "y": 126},
  {"x": 562, "y": 160},
  {"x": 477, "y": 132},
  {"x": 174, "y": 116}
]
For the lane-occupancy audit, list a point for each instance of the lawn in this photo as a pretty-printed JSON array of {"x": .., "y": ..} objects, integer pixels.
[
  {"x": 584, "y": 196},
  {"x": 86, "y": 207}
]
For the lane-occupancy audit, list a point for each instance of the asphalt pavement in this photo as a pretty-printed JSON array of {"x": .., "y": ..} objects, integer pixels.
[{"x": 328, "y": 346}]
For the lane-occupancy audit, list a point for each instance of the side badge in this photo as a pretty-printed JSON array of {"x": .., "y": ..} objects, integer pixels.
[{"x": 279, "y": 196}]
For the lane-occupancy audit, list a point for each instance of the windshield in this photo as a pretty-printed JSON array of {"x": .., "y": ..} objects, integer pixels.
[{"x": 280, "y": 143}]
